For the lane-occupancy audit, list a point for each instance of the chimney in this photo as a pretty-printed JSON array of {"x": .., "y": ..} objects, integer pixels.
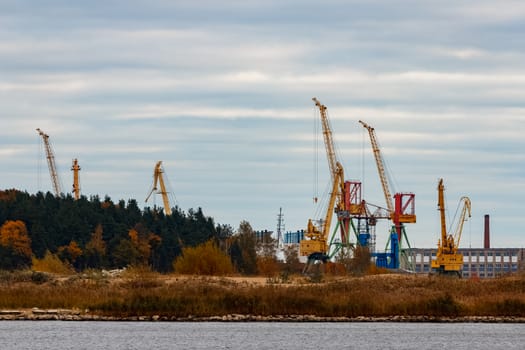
[{"x": 486, "y": 244}]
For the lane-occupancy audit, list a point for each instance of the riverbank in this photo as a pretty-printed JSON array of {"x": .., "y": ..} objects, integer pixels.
[
  {"x": 153, "y": 297},
  {"x": 36, "y": 314}
]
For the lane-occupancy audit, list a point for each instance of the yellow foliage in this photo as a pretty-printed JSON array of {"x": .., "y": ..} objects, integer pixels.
[
  {"x": 204, "y": 259},
  {"x": 52, "y": 264},
  {"x": 97, "y": 244},
  {"x": 13, "y": 234}
]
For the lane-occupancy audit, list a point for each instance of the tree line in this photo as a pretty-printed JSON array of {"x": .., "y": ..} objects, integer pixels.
[{"x": 99, "y": 233}]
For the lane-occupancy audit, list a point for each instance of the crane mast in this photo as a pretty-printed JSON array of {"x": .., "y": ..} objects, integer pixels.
[
  {"x": 158, "y": 178},
  {"x": 51, "y": 163},
  {"x": 380, "y": 166},
  {"x": 76, "y": 183},
  {"x": 402, "y": 207},
  {"x": 343, "y": 199},
  {"x": 448, "y": 261},
  {"x": 328, "y": 141}
]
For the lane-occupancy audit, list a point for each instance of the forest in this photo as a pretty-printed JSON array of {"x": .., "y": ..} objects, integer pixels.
[{"x": 101, "y": 234}]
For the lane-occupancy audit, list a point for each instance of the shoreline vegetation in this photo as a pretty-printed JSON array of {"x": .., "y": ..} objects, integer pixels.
[{"x": 139, "y": 294}]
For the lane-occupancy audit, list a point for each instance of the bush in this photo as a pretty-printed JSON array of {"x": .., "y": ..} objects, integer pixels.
[
  {"x": 52, "y": 264},
  {"x": 204, "y": 259}
]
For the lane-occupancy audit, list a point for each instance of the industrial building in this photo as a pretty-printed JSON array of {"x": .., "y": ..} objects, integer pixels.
[{"x": 477, "y": 262}]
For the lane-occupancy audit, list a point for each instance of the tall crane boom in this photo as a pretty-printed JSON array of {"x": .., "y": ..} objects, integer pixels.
[
  {"x": 343, "y": 199},
  {"x": 328, "y": 141},
  {"x": 380, "y": 166},
  {"x": 158, "y": 178},
  {"x": 401, "y": 207},
  {"x": 448, "y": 260},
  {"x": 51, "y": 163}
]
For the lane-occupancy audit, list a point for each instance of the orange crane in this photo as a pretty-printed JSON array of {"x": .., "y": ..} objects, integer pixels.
[
  {"x": 344, "y": 201},
  {"x": 401, "y": 207},
  {"x": 448, "y": 261},
  {"x": 158, "y": 178},
  {"x": 76, "y": 183},
  {"x": 51, "y": 163}
]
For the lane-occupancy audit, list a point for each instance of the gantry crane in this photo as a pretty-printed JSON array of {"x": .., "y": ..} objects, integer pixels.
[
  {"x": 401, "y": 207},
  {"x": 158, "y": 178},
  {"x": 448, "y": 261},
  {"x": 51, "y": 163},
  {"x": 344, "y": 201},
  {"x": 76, "y": 182}
]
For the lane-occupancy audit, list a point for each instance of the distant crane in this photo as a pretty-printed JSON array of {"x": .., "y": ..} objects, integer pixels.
[
  {"x": 158, "y": 178},
  {"x": 401, "y": 207},
  {"x": 448, "y": 261},
  {"x": 51, "y": 163},
  {"x": 344, "y": 200},
  {"x": 76, "y": 183}
]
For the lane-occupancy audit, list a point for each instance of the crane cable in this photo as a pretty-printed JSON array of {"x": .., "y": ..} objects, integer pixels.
[{"x": 315, "y": 139}]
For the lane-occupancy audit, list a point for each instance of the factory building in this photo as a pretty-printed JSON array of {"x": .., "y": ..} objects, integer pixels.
[{"x": 477, "y": 262}]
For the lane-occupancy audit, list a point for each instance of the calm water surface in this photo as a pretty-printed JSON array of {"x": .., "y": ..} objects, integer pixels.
[{"x": 46, "y": 335}]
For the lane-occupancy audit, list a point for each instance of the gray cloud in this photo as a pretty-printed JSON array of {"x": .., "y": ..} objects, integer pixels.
[{"x": 220, "y": 91}]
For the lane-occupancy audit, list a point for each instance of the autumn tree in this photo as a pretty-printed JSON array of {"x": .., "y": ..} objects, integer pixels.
[
  {"x": 95, "y": 250},
  {"x": 143, "y": 241},
  {"x": 125, "y": 254},
  {"x": 15, "y": 245},
  {"x": 70, "y": 253},
  {"x": 243, "y": 249},
  {"x": 204, "y": 259},
  {"x": 266, "y": 248},
  {"x": 292, "y": 263}
]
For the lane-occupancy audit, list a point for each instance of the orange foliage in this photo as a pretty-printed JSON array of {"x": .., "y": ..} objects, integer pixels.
[
  {"x": 335, "y": 269},
  {"x": 13, "y": 234},
  {"x": 143, "y": 242},
  {"x": 267, "y": 266},
  {"x": 71, "y": 251}
]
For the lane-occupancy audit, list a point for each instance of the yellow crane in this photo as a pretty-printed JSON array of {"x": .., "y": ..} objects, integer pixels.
[
  {"x": 158, "y": 178},
  {"x": 316, "y": 245},
  {"x": 51, "y": 162},
  {"x": 448, "y": 261},
  {"x": 76, "y": 183},
  {"x": 398, "y": 216}
]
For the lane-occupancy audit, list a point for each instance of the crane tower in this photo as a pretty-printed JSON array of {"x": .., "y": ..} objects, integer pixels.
[
  {"x": 401, "y": 207},
  {"x": 51, "y": 163},
  {"x": 76, "y": 183},
  {"x": 344, "y": 200},
  {"x": 448, "y": 261}
]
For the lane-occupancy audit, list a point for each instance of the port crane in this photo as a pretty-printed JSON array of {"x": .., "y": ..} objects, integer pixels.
[
  {"x": 158, "y": 178},
  {"x": 344, "y": 200},
  {"x": 50, "y": 155},
  {"x": 76, "y": 183},
  {"x": 401, "y": 208},
  {"x": 448, "y": 261}
]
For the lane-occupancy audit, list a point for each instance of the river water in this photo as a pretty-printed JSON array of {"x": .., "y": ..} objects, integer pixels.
[{"x": 44, "y": 335}]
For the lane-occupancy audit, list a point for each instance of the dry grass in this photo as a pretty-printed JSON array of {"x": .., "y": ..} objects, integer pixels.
[{"x": 142, "y": 292}]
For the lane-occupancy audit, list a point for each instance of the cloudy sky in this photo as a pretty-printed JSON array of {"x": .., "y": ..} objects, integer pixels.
[{"x": 220, "y": 91}]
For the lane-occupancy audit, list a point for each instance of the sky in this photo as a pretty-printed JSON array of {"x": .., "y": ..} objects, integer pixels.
[{"x": 221, "y": 92}]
